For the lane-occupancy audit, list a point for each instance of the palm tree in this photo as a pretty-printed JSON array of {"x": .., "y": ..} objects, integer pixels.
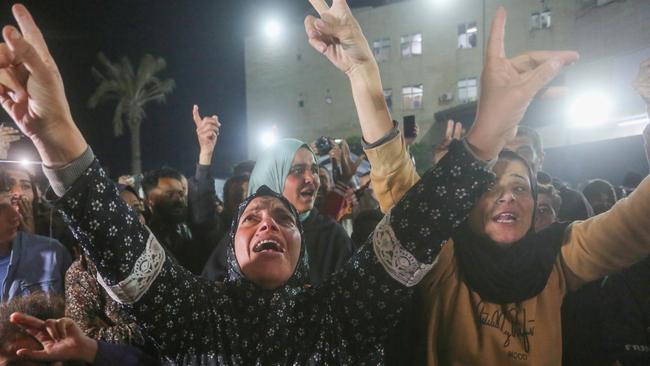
[{"x": 132, "y": 90}]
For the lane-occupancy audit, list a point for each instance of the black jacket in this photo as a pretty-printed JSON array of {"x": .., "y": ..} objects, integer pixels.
[{"x": 344, "y": 321}]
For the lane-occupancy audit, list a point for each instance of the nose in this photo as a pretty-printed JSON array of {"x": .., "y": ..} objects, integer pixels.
[
  {"x": 15, "y": 190},
  {"x": 506, "y": 196},
  {"x": 268, "y": 224},
  {"x": 308, "y": 176}
]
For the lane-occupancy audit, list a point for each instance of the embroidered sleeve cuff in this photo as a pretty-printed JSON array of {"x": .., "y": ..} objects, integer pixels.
[
  {"x": 398, "y": 262},
  {"x": 387, "y": 137},
  {"x": 61, "y": 179}
]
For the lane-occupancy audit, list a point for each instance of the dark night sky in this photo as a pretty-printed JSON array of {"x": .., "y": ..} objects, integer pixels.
[{"x": 202, "y": 42}]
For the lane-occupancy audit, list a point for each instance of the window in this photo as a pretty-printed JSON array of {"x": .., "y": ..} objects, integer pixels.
[
  {"x": 381, "y": 49},
  {"x": 411, "y": 45},
  {"x": 467, "y": 35},
  {"x": 412, "y": 96},
  {"x": 540, "y": 20},
  {"x": 388, "y": 96},
  {"x": 467, "y": 90}
]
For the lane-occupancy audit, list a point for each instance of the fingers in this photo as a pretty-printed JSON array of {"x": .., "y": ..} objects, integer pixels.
[
  {"x": 34, "y": 355},
  {"x": 13, "y": 87},
  {"x": 320, "y": 6},
  {"x": 495, "y": 46},
  {"x": 31, "y": 31},
  {"x": 313, "y": 35},
  {"x": 195, "y": 115},
  {"x": 458, "y": 131},
  {"x": 546, "y": 72},
  {"x": 26, "y": 321},
  {"x": 51, "y": 329},
  {"x": 24, "y": 52},
  {"x": 62, "y": 325},
  {"x": 530, "y": 60},
  {"x": 450, "y": 130}
]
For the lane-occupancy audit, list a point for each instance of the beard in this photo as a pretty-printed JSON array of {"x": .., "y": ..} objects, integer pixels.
[{"x": 173, "y": 212}]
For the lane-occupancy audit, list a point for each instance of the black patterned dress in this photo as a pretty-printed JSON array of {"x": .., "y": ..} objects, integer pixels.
[{"x": 342, "y": 322}]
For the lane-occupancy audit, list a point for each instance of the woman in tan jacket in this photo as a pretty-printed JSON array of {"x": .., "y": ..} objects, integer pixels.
[{"x": 493, "y": 295}]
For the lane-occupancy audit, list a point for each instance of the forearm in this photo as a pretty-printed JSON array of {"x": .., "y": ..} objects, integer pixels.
[
  {"x": 613, "y": 240},
  {"x": 368, "y": 94},
  {"x": 205, "y": 156},
  {"x": 392, "y": 173},
  {"x": 61, "y": 147}
]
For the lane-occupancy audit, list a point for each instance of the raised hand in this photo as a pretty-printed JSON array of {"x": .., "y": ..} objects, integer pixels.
[
  {"x": 337, "y": 35},
  {"x": 207, "y": 131},
  {"x": 7, "y": 136},
  {"x": 507, "y": 88},
  {"x": 26, "y": 216},
  {"x": 348, "y": 166},
  {"x": 454, "y": 132},
  {"x": 61, "y": 339},
  {"x": 31, "y": 92}
]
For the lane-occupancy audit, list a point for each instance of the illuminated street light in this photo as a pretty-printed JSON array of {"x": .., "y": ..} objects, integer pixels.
[
  {"x": 273, "y": 28},
  {"x": 269, "y": 138},
  {"x": 590, "y": 110}
]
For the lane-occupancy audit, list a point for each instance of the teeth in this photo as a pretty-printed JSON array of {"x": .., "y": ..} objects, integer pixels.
[
  {"x": 506, "y": 218},
  {"x": 259, "y": 246}
]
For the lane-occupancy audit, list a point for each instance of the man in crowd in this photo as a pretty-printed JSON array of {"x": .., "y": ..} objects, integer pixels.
[
  {"x": 548, "y": 205},
  {"x": 600, "y": 194},
  {"x": 188, "y": 234}
]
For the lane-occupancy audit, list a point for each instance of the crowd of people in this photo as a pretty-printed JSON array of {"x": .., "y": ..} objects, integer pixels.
[{"x": 483, "y": 260}]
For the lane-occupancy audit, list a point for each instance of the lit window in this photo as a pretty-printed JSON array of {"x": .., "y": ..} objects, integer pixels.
[
  {"x": 388, "y": 96},
  {"x": 467, "y": 90},
  {"x": 411, "y": 45},
  {"x": 467, "y": 35},
  {"x": 381, "y": 49},
  {"x": 540, "y": 20},
  {"x": 412, "y": 97}
]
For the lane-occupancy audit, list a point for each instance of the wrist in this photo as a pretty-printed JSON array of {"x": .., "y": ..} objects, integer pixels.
[
  {"x": 205, "y": 157},
  {"x": 60, "y": 148},
  {"x": 88, "y": 350},
  {"x": 364, "y": 71}
]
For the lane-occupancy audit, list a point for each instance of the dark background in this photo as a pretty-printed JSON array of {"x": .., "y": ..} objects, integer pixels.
[{"x": 203, "y": 43}]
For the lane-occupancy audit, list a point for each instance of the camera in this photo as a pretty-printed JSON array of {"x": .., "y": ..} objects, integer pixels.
[{"x": 323, "y": 145}]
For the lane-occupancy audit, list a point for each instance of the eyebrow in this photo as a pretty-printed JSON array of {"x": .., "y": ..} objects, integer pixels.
[{"x": 518, "y": 176}]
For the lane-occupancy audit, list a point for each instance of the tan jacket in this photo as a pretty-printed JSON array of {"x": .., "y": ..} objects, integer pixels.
[{"x": 461, "y": 329}]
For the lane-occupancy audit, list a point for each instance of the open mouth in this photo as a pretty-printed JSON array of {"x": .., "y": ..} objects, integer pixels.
[
  {"x": 268, "y": 245},
  {"x": 308, "y": 193},
  {"x": 505, "y": 218}
]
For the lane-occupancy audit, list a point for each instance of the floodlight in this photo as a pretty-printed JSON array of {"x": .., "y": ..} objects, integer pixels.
[{"x": 590, "y": 109}]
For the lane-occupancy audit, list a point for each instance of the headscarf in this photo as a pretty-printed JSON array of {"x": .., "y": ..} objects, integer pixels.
[
  {"x": 513, "y": 274},
  {"x": 300, "y": 275},
  {"x": 273, "y": 167}
]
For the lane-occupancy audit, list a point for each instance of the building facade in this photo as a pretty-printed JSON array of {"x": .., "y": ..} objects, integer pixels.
[{"x": 430, "y": 53}]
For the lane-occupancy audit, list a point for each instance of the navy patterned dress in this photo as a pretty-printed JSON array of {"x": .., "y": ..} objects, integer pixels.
[{"x": 344, "y": 321}]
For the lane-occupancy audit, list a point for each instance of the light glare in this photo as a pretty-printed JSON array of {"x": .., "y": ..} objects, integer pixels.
[
  {"x": 273, "y": 28},
  {"x": 590, "y": 110},
  {"x": 268, "y": 138}
]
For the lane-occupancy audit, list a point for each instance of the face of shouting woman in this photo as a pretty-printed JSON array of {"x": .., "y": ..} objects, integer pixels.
[{"x": 505, "y": 213}]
